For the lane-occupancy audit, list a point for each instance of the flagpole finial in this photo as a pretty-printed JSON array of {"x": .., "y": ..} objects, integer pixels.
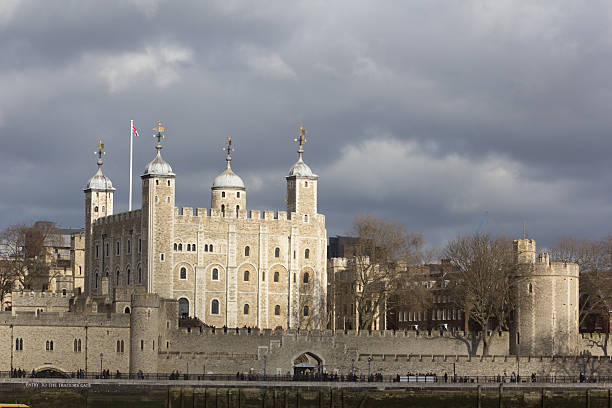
[
  {"x": 301, "y": 140},
  {"x": 161, "y": 134},
  {"x": 100, "y": 152},
  {"x": 228, "y": 149}
]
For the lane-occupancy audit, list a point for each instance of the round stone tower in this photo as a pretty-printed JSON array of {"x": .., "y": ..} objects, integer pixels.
[
  {"x": 545, "y": 320},
  {"x": 145, "y": 328},
  {"x": 98, "y": 204}
]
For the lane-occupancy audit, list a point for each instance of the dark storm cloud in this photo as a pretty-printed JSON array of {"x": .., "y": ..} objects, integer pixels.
[{"x": 429, "y": 112}]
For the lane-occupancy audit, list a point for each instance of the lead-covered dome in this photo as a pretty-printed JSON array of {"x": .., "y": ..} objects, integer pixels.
[
  {"x": 99, "y": 181},
  {"x": 301, "y": 169},
  {"x": 228, "y": 179},
  {"x": 158, "y": 166}
]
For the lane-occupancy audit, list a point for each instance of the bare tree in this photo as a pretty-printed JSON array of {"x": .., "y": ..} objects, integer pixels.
[
  {"x": 27, "y": 254},
  {"x": 594, "y": 257},
  {"x": 481, "y": 284},
  {"x": 381, "y": 252}
]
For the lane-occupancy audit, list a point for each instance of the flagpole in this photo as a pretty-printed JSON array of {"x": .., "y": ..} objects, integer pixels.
[{"x": 131, "y": 148}]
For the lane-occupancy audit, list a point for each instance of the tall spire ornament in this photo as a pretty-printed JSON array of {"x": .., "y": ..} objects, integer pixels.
[
  {"x": 228, "y": 149},
  {"x": 301, "y": 140}
]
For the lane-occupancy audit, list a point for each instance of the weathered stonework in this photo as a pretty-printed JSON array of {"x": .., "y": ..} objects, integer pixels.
[{"x": 225, "y": 254}]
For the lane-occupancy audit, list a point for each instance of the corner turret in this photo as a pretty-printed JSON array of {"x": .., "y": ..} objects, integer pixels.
[
  {"x": 301, "y": 183},
  {"x": 228, "y": 194},
  {"x": 158, "y": 201},
  {"x": 99, "y": 194}
]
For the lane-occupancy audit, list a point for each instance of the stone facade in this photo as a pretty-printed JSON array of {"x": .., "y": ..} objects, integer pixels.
[
  {"x": 546, "y": 294},
  {"x": 228, "y": 266},
  {"x": 233, "y": 268},
  {"x": 146, "y": 337}
]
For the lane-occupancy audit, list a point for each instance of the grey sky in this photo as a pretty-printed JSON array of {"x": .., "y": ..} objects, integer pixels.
[{"x": 425, "y": 112}]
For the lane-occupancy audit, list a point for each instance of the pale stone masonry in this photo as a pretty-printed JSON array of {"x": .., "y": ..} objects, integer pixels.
[
  {"x": 546, "y": 295},
  {"x": 225, "y": 265},
  {"x": 232, "y": 267}
]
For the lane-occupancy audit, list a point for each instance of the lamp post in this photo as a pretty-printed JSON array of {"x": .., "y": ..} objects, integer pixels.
[
  {"x": 101, "y": 357},
  {"x": 369, "y": 362}
]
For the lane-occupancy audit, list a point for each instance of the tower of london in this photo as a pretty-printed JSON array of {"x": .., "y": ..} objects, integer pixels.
[
  {"x": 257, "y": 280},
  {"x": 226, "y": 265}
]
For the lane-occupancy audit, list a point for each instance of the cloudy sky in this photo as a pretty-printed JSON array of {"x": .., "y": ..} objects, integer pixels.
[{"x": 425, "y": 112}]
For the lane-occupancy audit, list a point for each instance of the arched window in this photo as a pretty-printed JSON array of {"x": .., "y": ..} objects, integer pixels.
[
  {"x": 126, "y": 310},
  {"x": 246, "y": 276},
  {"x": 305, "y": 218},
  {"x": 210, "y": 247},
  {"x": 530, "y": 288},
  {"x": 17, "y": 344},
  {"x": 183, "y": 305},
  {"x": 307, "y": 253},
  {"x": 238, "y": 194},
  {"x": 79, "y": 345},
  {"x": 306, "y": 277},
  {"x": 129, "y": 276},
  {"x": 214, "y": 307},
  {"x": 75, "y": 345},
  {"x": 247, "y": 251},
  {"x": 21, "y": 344},
  {"x": 277, "y": 252},
  {"x": 193, "y": 247},
  {"x": 223, "y": 194},
  {"x": 188, "y": 247},
  {"x": 47, "y": 345},
  {"x": 183, "y": 274},
  {"x": 180, "y": 247},
  {"x": 237, "y": 209},
  {"x": 118, "y": 276},
  {"x": 96, "y": 208},
  {"x": 122, "y": 344},
  {"x": 277, "y": 310},
  {"x": 118, "y": 346},
  {"x": 246, "y": 309},
  {"x": 275, "y": 276},
  {"x": 305, "y": 310},
  {"x": 215, "y": 274},
  {"x": 64, "y": 292},
  {"x": 205, "y": 247}
]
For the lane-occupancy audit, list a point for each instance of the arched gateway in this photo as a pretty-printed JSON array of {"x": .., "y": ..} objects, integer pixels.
[{"x": 307, "y": 364}]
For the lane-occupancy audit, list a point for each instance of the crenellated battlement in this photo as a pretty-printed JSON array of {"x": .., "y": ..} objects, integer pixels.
[
  {"x": 189, "y": 214},
  {"x": 68, "y": 319},
  {"x": 116, "y": 218}
]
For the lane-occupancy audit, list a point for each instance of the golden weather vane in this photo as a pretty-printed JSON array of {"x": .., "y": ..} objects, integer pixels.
[
  {"x": 229, "y": 149},
  {"x": 301, "y": 139},
  {"x": 100, "y": 152},
  {"x": 161, "y": 130}
]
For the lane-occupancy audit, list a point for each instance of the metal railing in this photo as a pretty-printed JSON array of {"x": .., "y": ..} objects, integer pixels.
[{"x": 325, "y": 377}]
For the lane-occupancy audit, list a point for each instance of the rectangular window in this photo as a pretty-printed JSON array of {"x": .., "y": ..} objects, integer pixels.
[
  {"x": 139, "y": 245},
  {"x": 161, "y": 257},
  {"x": 142, "y": 344},
  {"x": 97, "y": 252}
]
